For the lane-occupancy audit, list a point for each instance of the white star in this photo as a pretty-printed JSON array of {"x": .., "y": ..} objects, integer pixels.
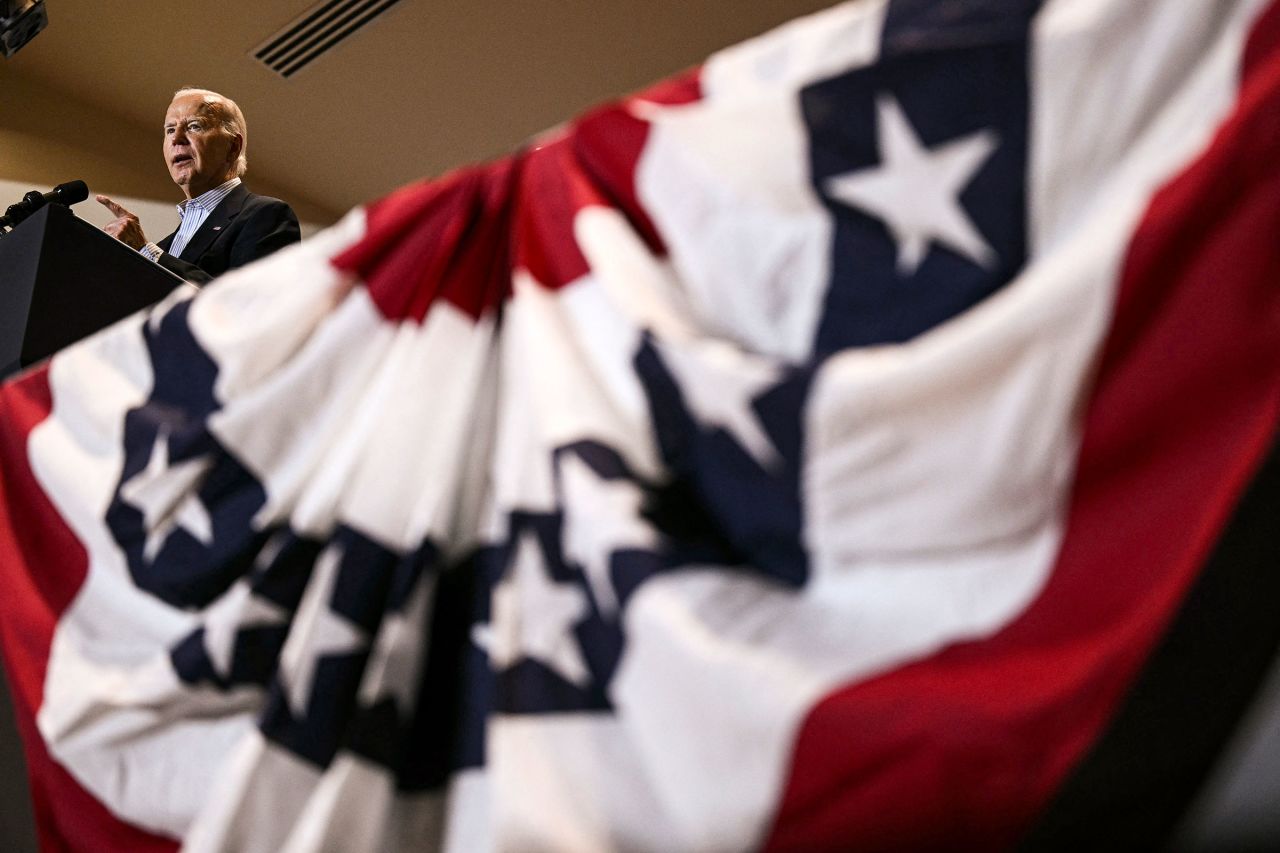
[
  {"x": 316, "y": 632},
  {"x": 601, "y": 517},
  {"x": 719, "y": 383},
  {"x": 394, "y": 662},
  {"x": 532, "y": 617},
  {"x": 915, "y": 190},
  {"x": 235, "y": 611},
  {"x": 240, "y": 608},
  {"x": 168, "y": 496}
]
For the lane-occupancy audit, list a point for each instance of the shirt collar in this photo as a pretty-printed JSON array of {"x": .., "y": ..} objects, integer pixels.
[{"x": 207, "y": 201}]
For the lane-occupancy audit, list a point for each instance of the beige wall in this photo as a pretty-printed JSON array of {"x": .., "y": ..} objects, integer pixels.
[
  {"x": 48, "y": 137},
  {"x": 157, "y": 218}
]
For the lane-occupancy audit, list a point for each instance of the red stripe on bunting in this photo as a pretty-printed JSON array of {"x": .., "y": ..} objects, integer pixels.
[
  {"x": 608, "y": 143},
  {"x": 42, "y": 566},
  {"x": 444, "y": 239},
  {"x": 553, "y": 188},
  {"x": 593, "y": 164},
  {"x": 1261, "y": 49},
  {"x": 966, "y": 748}
]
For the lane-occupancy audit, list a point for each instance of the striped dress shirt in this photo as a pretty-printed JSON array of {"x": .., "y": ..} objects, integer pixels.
[{"x": 192, "y": 213}]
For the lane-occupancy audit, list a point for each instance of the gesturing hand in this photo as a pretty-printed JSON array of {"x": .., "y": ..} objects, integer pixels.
[{"x": 125, "y": 227}]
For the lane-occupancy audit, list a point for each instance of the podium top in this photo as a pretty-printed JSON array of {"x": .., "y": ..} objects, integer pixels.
[{"x": 62, "y": 279}]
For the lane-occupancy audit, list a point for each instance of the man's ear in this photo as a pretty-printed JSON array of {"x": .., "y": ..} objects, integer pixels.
[{"x": 237, "y": 145}]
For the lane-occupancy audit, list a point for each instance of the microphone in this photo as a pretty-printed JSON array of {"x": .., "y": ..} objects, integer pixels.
[{"x": 69, "y": 193}]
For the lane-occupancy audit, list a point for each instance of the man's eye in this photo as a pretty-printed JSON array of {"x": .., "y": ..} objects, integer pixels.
[{"x": 195, "y": 127}]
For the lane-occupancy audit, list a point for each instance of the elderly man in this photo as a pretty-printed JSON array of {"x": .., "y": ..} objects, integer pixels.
[{"x": 223, "y": 225}]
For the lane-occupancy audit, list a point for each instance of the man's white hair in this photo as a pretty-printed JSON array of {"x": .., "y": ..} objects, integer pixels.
[{"x": 232, "y": 121}]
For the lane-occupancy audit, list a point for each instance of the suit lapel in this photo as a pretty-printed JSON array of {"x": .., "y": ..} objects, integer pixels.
[{"x": 213, "y": 227}]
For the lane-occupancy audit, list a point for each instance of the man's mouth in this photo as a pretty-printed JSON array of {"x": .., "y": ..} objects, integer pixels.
[{"x": 180, "y": 159}]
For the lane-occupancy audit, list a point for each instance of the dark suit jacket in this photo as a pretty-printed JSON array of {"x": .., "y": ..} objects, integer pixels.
[{"x": 245, "y": 226}]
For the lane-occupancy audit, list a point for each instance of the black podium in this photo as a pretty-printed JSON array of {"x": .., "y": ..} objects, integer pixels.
[{"x": 62, "y": 279}]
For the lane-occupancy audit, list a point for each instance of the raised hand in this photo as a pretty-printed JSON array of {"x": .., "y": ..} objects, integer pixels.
[{"x": 125, "y": 227}]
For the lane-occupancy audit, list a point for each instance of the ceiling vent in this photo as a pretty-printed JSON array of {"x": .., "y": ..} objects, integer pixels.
[{"x": 316, "y": 32}]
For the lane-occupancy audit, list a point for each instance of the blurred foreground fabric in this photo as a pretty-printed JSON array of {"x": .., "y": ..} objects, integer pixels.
[{"x": 864, "y": 441}]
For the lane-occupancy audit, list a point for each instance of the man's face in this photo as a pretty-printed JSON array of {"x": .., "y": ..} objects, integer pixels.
[{"x": 199, "y": 152}]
